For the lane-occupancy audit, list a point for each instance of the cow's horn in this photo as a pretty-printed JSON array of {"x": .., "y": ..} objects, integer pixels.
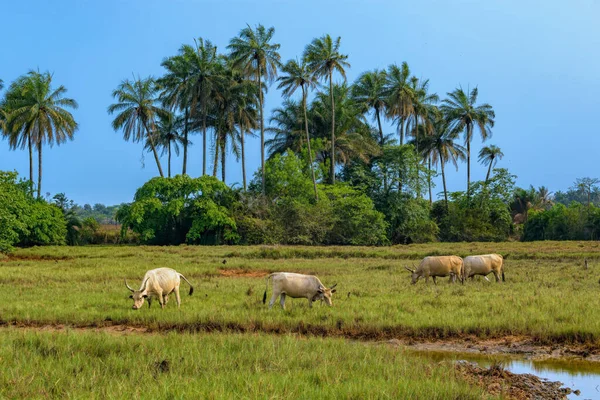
[
  {"x": 333, "y": 286},
  {"x": 409, "y": 270},
  {"x": 128, "y": 286},
  {"x": 144, "y": 286}
]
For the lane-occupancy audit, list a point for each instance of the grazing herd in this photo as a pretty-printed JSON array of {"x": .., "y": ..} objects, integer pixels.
[{"x": 161, "y": 282}]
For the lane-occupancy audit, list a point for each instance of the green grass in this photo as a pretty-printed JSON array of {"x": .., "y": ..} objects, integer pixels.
[
  {"x": 76, "y": 365},
  {"x": 548, "y": 295}
]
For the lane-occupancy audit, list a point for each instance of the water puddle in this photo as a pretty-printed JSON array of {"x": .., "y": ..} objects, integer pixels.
[{"x": 578, "y": 375}]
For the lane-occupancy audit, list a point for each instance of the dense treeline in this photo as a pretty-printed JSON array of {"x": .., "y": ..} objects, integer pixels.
[{"x": 329, "y": 174}]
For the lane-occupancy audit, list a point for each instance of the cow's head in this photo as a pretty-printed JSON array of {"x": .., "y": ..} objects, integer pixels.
[
  {"x": 325, "y": 294},
  {"x": 138, "y": 296},
  {"x": 415, "y": 276}
]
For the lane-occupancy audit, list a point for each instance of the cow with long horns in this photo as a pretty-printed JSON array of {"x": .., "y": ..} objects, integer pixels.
[
  {"x": 298, "y": 286},
  {"x": 159, "y": 283}
]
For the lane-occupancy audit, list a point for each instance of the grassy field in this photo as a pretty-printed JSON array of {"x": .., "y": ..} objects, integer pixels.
[
  {"x": 548, "y": 295},
  {"x": 225, "y": 343}
]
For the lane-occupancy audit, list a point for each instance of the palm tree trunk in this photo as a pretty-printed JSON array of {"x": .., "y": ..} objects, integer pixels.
[
  {"x": 185, "y": 143},
  {"x": 160, "y": 171},
  {"x": 468, "y": 160},
  {"x": 243, "y": 156},
  {"x": 169, "y": 159},
  {"x": 332, "y": 128},
  {"x": 401, "y": 131},
  {"x": 262, "y": 129},
  {"x": 418, "y": 154},
  {"x": 223, "y": 159},
  {"x": 30, "y": 162},
  {"x": 310, "y": 159},
  {"x": 487, "y": 177},
  {"x": 39, "y": 190},
  {"x": 216, "y": 160},
  {"x": 444, "y": 179},
  {"x": 204, "y": 142},
  {"x": 429, "y": 181},
  {"x": 380, "y": 129}
]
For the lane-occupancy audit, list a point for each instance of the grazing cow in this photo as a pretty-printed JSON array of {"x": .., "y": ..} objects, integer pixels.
[
  {"x": 159, "y": 283},
  {"x": 483, "y": 265},
  {"x": 435, "y": 266},
  {"x": 296, "y": 286}
]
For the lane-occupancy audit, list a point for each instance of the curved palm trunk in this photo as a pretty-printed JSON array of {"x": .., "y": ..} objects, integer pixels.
[
  {"x": 29, "y": 146},
  {"x": 160, "y": 171},
  {"x": 39, "y": 189},
  {"x": 487, "y": 176},
  {"x": 444, "y": 179},
  {"x": 380, "y": 129},
  {"x": 418, "y": 154},
  {"x": 332, "y": 128},
  {"x": 243, "y": 156},
  {"x": 310, "y": 159},
  {"x": 223, "y": 159},
  {"x": 262, "y": 129},
  {"x": 185, "y": 143}
]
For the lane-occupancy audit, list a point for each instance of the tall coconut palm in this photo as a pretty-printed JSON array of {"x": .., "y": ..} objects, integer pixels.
[
  {"x": 443, "y": 149},
  {"x": 297, "y": 75},
  {"x": 39, "y": 114},
  {"x": 399, "y": 93},
  {"x": 464, "y": 114},
  {"x": 489, "y": 155},
  {"x": 246, "y": 115},
  {"x": 369, "y": 91},
  {"x": 137, "y": 109},
  {"x": 253, "y": 53},
  {"x": 285, "y": 126},
  {"x": 167, "y": 136},
  {"x": 323, "y": 57}
]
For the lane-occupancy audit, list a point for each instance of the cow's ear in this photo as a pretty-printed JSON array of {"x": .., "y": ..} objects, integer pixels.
[
  {"x": 131, "y": 297},
  {"x": 145, "y": 296},
  {"x": 333, "y": 290}
]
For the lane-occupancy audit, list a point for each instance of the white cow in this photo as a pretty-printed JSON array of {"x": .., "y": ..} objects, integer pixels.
[
  {"x": 484, "y": 265},
  {"x": 159, "y": 283},
  {"x": 297, "y": 286},
  {"x": 435, "y": 266}
]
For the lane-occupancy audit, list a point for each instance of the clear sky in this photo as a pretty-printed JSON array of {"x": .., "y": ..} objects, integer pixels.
[{"x": 536, "y": 62}]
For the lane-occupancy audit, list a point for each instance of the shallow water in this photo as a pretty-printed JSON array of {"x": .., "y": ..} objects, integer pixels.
[{"x": 577, "y": 375}]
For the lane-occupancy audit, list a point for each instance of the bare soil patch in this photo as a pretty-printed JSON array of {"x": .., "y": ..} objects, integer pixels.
[
  {"x": 242, "y": 273},
  {"x": 498, "y": 381}
]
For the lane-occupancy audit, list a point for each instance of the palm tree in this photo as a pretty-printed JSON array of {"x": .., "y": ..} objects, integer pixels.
[
  {"x": 253, "y": 53},
  {"x": 369, "y": 91},
  {"x": 167, "y": 137},
  {"x": 286, "y": 127},
  {"x": 38, "y": 113},
  {"x": 443, "y": 149},
  {"x": 323, "y": 57},
  {"x": 463, "y": 114},
  {"x": 246, "y": 102},
  {"x": 399, "y": 95},
  {"x": 137, "y": 110},
  {"x": 489, "y": 155},
  {"x": 299, "y": 76}
]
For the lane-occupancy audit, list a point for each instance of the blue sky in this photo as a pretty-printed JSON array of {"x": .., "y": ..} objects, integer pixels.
[{"x": 536, "y": 62}]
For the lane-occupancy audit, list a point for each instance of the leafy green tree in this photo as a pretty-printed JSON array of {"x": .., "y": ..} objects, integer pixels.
[
  {"x": 587, "y": 186},
  {"x": 369, "y": 92},
  {"x": 297, "y": 75},
  {"x": 254, "y": 53},
  {"x": 489, "y": 155},
  {"x": 38, "y": 114},
  {"x": 181, "y": 209},
  {"x": 74, "y": 224},
  {"x": 323, "y": 58},
  {"x": 464, "y": 114},
  {"x": 399, "y": 93},
  {"x": 137, "y": 110}
]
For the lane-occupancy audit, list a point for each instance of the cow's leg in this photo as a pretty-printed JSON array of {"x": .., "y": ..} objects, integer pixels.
[
  {"x": 496, "y": 275},
  {"x": 282, "y": 300},
  {"x": 434, "y": 280},
  {"x": 177, "y": 296},
  {"x": 165, "y": 299},
  {"x": 161, "y": 299},
  {"x": 273, "y": 298},
  {"x": 149, "y": 301}
]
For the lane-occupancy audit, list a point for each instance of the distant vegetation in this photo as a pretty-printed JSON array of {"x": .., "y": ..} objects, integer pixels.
[{"x": 329, "y": 173}]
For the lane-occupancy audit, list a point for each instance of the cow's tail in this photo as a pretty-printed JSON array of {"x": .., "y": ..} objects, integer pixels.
[
  {"x": 266, "y": 288},
  {"x": 188, "y": 282},
  {"x": 503, "y": 278}
]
